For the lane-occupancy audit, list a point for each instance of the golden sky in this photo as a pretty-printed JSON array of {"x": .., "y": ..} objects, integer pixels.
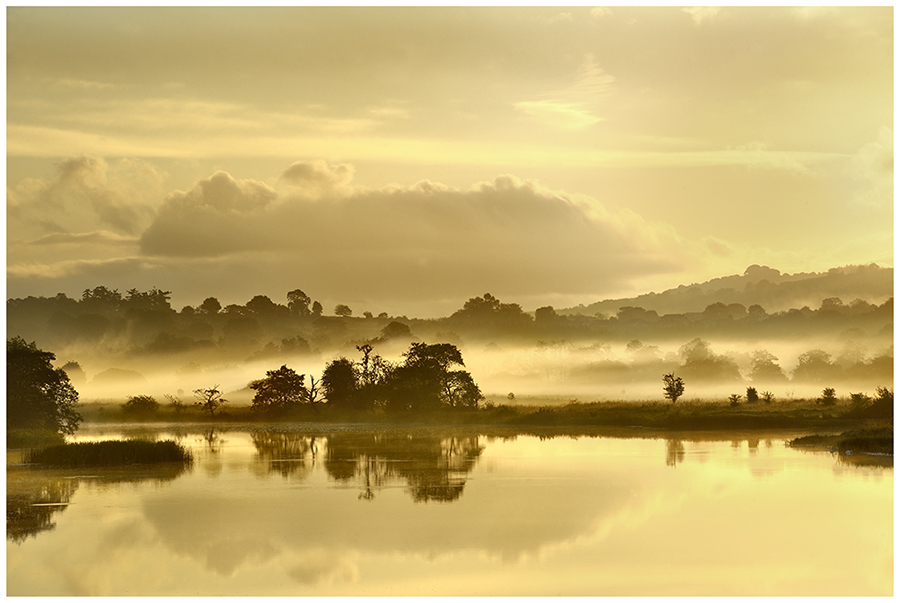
[{"x": 406, "y": 159}]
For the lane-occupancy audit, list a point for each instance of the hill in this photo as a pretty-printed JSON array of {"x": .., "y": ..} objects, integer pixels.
[{"x": 760, "y": 285}]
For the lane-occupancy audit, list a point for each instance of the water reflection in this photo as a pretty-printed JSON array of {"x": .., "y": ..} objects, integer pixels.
[
  {"x": 554, "y": 515},
  {"x": 674, "y": 452},
  {"x": 30, "y": 509},
  {"x": 289, "y": 454},
  {"x": 33, "y": 498},
  {"x": 433, "y": 468}
]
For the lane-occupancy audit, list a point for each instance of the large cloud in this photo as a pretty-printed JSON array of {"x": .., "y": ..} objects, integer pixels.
[
  {"x": 423, "y": 240},
  {"x": 86, "y": 194}
]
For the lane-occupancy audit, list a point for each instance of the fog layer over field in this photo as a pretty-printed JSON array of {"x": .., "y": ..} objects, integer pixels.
[{"x": 114, "y": 346}]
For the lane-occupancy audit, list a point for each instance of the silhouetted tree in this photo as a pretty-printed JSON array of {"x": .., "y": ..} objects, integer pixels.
[
  {"x": 701, "y": 363},
  {"x": 298, "y": 302},
  {"x": 673, "y": 387},
  {"x": 342, "y": 310},
  {"x": 765, "y": 369},
  {"x": 263, "y": 306},
  {"x": 545, "y": 316},
  {"x": 140, "y": 405},
  {"x": 316, "y": 309},
  {"x": 209, "y": 399},
  {"x": 488, "y": 314},
  {"x": 175, "y": 402},
  {"x": 101, "y": 299},
  {"x": 210, "y": 306},
  {"x": 38, "y": 396},
  {"x": 281, "y": 389},
  {"x": 828, "y": 397},
  {"x": 859, "y": 401},
  {"x": 154, "y": 300},
  {"x": 752, "y": 395},
  {"x": 75, "y": 372},
  {"x": 424, "y": 382},
  {"x": 395, "y": 330},
  {"x": 461, "y": 390},
  {"x": 815, "y": 366},
  {"x": 339, "y": 383}
]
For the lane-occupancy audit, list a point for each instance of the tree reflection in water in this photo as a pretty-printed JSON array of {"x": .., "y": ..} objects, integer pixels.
[
  {"x": 674, "y": 452},
  {"x": 289, "y": 454},
  {"x": 34, "y": 497},
  {"x": 433, "y": 468},
  {"x": 30, "y": 512}
]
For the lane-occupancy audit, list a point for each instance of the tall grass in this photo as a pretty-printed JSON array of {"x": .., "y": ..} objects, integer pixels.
[
  {"x": 878, "y": 439},
  {"x": 111, "y": 453}
]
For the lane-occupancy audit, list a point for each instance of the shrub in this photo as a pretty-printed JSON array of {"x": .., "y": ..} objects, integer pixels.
[
  {"x": 768, "y": 397},
  {"x": 140, "y": 405},
  {"x": 828, "y": 397},
  {"x": 734, "y": 399},
  {"x": 859, "y": 401},
  {"x": 752, "y": 396}
]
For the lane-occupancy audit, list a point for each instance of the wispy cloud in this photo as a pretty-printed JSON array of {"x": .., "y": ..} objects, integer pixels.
[
  {"x": 702, "y": 14},
  {"x": 575, "y": 106},
  {"x": 97, "y": 237}
]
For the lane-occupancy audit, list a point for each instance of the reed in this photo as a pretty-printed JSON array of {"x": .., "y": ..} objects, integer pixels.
[{"x": 111, "y": 453}]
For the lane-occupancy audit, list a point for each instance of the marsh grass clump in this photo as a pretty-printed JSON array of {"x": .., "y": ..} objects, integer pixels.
[
  {"x": 879, "y": 440},
  {"x": 111, "y": 453}
]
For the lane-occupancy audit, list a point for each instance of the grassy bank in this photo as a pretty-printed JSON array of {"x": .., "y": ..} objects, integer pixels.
[
  {"x": 867, "y": 440},
  {"x": 110, "y": 453},
  {"x": 795, "y": 414}
]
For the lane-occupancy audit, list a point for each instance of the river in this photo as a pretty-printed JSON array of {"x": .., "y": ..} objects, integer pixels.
[{"x": 310, "y": 510}]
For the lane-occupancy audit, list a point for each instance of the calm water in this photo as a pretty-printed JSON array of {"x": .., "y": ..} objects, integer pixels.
[{"x": 430, "y": 512}]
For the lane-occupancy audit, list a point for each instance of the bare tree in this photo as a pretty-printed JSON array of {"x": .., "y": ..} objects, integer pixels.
[{"x": 209, "y": 399}]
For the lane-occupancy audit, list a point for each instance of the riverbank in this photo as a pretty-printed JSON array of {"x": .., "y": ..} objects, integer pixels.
[
  {"x": 800, "y": 415},
  {"x": 791, "y": 414},
  {"x": 867, "y": 440}
]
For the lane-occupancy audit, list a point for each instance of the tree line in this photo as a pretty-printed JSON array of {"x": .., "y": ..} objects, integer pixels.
[{"x": 144, "y": 323}]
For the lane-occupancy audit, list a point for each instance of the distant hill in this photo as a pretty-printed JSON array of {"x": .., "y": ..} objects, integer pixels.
[{"x": 761, "y": 285}]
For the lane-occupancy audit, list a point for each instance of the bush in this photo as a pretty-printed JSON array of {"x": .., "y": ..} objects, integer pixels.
[
  {"x": 828, "y": 397},
  {"x": 140, "y": 405},
  {"x": 752, "y": 396},
  {"x": 768, "y": 397},
  {"x": 734, "y": 399},
  {"x": 859, "y": 401}
]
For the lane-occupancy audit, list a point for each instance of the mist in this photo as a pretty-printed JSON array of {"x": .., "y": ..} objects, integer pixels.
[{"x": 114, "y": 346}]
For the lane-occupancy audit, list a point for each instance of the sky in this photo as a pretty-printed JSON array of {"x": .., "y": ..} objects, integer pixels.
[{"x": 404, "y": 160}]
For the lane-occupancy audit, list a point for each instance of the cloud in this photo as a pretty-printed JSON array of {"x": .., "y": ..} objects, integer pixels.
[
  {"x": 317, "y": 177},
  {"x": 700, "y": 14},
  {"x": 425, "y": 241},
  {"x": 573, "y": 107},
  {"x": 567, "y": 116},
  {"x": 217, "y": 216},
  {"x": 97, "y": 237},
  {"x": 94, "y": 269},
  {"x": 872, "y": 167},
  {"x": 757, "y": 154},
  {"x": 87, "y": 193}
]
